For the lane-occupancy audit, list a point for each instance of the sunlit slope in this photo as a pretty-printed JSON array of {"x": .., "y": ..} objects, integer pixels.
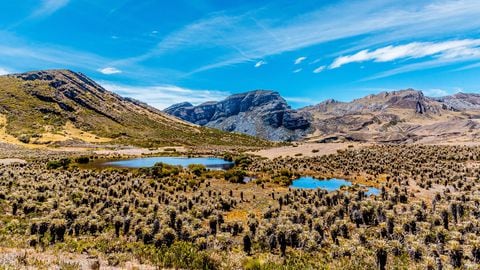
[{"x": 44, "y": 107}]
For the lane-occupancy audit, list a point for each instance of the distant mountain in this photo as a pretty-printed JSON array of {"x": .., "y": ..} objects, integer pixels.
[
  {"x": 398, "y": 116},
  {"x": 260, "y": 113},
  {"x": 461, "y": 101},
  {"x": 52, "y": 106}
]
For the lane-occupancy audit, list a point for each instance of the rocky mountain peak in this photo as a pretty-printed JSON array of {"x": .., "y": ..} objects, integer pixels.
[
  {"x": 180, "y": 105},
  {"x": 260, "y": 112}
]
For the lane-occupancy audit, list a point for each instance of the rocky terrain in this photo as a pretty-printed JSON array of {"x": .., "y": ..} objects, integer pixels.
[
  {"x": 399, "y": 116},
  {"x": 62, "y": 106},
  {"x": 260, "y": 113}
]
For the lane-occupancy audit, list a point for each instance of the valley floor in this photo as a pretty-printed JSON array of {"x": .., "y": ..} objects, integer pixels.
[{"x": 55, "y": 213}]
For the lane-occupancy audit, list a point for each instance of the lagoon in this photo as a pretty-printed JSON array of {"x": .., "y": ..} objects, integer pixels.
[
  {"x": 146, "y": 162},
  {"x": 329, "y": 185}
]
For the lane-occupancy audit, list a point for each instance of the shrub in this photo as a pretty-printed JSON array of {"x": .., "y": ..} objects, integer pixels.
[
  {"x": 235, "y": 176},
  {"x": 56, "y": 164},
  {"x": 243, "y": 161},
  {"x": 160, "y": 170},
  {"x": 82, "y": 160},
  {"x": 197, "y": 169},
  {"x": 24, "y": 138},
  {"x": 183, "y": 255}
]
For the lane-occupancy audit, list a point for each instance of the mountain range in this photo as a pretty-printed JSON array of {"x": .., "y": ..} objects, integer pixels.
[
  {"x": 397, "y": 116},
  {"x": 260, "y": 113},
  {"x": 54, "y": 107},
  {"x": 65, "y": 107}
]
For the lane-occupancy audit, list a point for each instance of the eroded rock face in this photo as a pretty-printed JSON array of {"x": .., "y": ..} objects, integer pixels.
[
  {"x": 268, "y": 115},
  {"x": 397, "y": 116},
  {"x": 461, "y": 101}
]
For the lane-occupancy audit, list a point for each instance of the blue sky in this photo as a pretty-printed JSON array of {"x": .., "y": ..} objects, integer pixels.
[{"x": 163, "y": 52}]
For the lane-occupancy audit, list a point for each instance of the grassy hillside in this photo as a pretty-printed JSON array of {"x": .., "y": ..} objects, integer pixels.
[{"x": 49, "y": 106}]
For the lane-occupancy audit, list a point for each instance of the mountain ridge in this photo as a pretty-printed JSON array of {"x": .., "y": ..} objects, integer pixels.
[
  {"x": 39, "y": 105},
  {"x": 262, "y": 113},
  {"x": 394, "y": 116}
]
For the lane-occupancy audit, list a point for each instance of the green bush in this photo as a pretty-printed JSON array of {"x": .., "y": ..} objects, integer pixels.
[
  {"x": 56, "y": 164},
  {"x": 235, "y": 175},
  {"x": 197, "y": 169},
  {"x": 24, "y": 138},
  {"x": 180, "y": 255},
  {"x": 243, "y": 161},
  {"x": 160, "y": 170},
  {"x": 82, "y": 160}
]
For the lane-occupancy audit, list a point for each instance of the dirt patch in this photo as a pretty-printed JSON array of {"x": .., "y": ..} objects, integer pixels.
[
  {"x": 306, "y": 150},
  {"x": 140, "y": 151},
  {"x": 8, "y": 161}
]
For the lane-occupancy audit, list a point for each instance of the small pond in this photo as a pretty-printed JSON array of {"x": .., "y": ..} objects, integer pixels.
[
  {"x": 328, "y": 184},
  {"x": 145, "y": 162}
]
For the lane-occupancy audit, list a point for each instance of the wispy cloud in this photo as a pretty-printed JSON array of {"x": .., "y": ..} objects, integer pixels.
[
  {"x": 4, "y": 71},
  {"x": 109, "y": 71},
  {"x": 20, "y": 55},
  {"x": 409, "y": 68},
  {"x": 301, "y": 100},
  {"x": 47, "y": 55},
  {"x": 238, "y": 39},
  {"x": 260, "y": 63},
  {"x": 319, "y": 69},
  {"x": 297, "y": 70},
  {"x": 300, "y": 60},
  {"x": 455, "y": 49},
  {"x": 467, "y": 67},
  {"x": 163, "y": 96},
  {"x": 48, "y": 7},
  {"x": 436, "y": 92}
]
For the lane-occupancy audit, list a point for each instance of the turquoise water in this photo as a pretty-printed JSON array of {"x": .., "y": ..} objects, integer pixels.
[
  {"x": 209, "y": 162},
  {"x": 329, "y": 184},
  {"x": 372, "y": 191}
]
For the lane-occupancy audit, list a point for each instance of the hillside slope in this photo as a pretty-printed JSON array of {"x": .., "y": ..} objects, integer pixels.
[
  {"x": 45, "y": 107},
  {"x": 260, "y": 113},
  {"x": 398, "y": 116},
  {"x": 388, "y": 117}
]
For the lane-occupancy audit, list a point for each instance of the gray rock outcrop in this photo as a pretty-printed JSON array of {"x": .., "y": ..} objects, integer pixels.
[{"x": 260, "y": 113}]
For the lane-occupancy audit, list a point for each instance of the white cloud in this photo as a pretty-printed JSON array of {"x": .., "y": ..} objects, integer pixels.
[
  {"x": 301, "y": 100},
  {"x": 300, "y": 60},
  {"x": 48, "y": 7},
  {"x": 163, "y": 96},
  {"x": 429, "y": 64},
  {"x": 20, "y": 55},
  {"x": 453, "y": 49},
  {"x": 260, "y": 63},
  {"x": 109, "y": 71},
  {"x": 467, "y": 67},
  {"x": 4, "y": 71},
  {"x": 242, "y": 39},
  {"x": 436, "y": 92},
  {"x": 319, "y": 69},
  {"x": 297, "y": 70}
]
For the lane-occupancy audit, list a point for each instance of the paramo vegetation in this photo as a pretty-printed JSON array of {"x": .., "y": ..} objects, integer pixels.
[{"x": 427, "y": 215}]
